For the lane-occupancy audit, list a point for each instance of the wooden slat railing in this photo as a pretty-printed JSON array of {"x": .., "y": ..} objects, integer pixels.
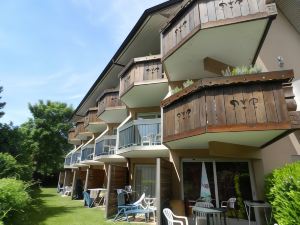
[
  {"x": 91, "y": 116},
  {"x": 197, "y": 14},
  {"x": 79, "y": 127},
  {"x": 71, "y": 134},
  {"x": 109, "y": 98},
  {"x": 241, "y": 103},
  {"x": 140, "y": 69}
]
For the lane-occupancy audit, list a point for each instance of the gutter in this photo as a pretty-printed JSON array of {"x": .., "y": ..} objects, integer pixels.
[{"x": 113, "y": 61}]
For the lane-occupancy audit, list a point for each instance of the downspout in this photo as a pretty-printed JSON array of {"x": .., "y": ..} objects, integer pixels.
[
  {"x": 118, "y": 128},
  {"x": 97, "y": 138},
  {"x": 89, "y": 141}
]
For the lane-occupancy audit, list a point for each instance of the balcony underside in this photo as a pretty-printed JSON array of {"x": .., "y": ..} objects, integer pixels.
[
  {"x": 96, "y": 127},
  {"x": 74, "y": 141},
  {"x": 91, "y": 162},
  {"x": 114, "y": 114},
  {"x": 145, "y": 93},
  {"x": 247, "y": 138},
  {"x": 152, "y": 151},
  {"x": 84, "y": 135},
  {"x": 234, "y": 44},
  {"x": 76, "y": 165},
  {"x": 110, "y": 159},
  {"x": 69, "y": 167}
]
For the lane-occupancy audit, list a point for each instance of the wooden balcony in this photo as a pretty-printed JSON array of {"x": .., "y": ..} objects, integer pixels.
[
  {"x": 138, "y": 80},
  {"x": 248, "y": 110},
  {"x": 72, "y": 139},
  {"x": 92, "y": 123},
  {"x": 80, "y": 132},
  {"x": 229, "y": 31},
  {"x": 110, "y": 108}
]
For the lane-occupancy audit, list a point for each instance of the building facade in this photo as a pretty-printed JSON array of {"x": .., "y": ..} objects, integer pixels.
[{"x": 170, "y": 105}]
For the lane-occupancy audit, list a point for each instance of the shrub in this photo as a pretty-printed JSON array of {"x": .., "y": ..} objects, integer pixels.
[
  {"x": 9, "y": 167},
  {"x": 13, "y": 197},
  {"x": 283, "y": 192}
]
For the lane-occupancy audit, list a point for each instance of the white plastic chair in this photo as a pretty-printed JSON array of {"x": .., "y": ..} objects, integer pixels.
[
  {"x": 173, "y": 219},
  {"x": 230, "y": 204}
]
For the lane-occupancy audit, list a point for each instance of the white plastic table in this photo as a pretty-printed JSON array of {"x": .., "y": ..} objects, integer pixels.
[
  {"x": 254, "y": 204},
  {"x": 212, "y": 211}
]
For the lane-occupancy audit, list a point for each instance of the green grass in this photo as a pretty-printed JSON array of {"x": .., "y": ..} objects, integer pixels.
[{"x": 51, "y": 209}]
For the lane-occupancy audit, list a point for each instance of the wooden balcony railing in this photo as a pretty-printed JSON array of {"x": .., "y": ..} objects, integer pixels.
[
  {"x": 254, "y": 102},
  {"x": 79, "y": 127},
  {"x": 109, "y": 98},
  {"x": 140, "y": 69},
  {"x": 201, "y": 14},
  {"x": 71, "y": 134},
  {"x": 91, "y": 116}
]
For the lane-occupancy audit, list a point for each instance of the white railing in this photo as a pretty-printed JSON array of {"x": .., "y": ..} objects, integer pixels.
[{"x": 143, "y": 132}]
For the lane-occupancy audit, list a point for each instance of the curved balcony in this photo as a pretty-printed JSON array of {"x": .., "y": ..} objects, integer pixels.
[
  {"x": 92, "y": 123},
  {"x": 141, "y": 138},
  {"x": 110, "y": 107},
  {"x": 72, "y": 138},
  {"x": 229, "y": 31},
  {"x": 248, "y": 110},
  {"x": 105, "y": 149},
  {"x": 139, "y": 79}
]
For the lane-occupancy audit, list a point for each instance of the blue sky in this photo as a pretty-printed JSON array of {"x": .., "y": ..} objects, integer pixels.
[{"x": 55, "y": 49}]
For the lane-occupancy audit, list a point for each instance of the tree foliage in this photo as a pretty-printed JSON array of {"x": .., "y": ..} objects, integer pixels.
[
  {"x": 11, "y": 140},
  {"x": 9, "y": 167},
  {"x": 2, "y": 104},
  {"x": 283, "y": 192},
  {"x": 46, "y": 135}
]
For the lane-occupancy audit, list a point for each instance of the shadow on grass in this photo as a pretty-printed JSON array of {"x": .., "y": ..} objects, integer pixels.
[{"x": 38, "y": 212}]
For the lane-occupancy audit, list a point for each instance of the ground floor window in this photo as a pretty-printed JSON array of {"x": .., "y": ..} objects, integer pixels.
[
  {"x": 145, "y": 180},
  {"x": 219, "y": 180}
]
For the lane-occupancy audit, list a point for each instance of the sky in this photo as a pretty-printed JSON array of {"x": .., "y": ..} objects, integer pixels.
[{"x": 55, "y": 49}]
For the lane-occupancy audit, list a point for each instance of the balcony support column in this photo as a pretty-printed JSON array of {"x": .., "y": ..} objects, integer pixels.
[{"x": 87, "y": 179}]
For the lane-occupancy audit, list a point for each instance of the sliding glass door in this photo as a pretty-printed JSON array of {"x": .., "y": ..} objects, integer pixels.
[
  {"x": 145, "y": 180},
  {"x": 224, "y": 180}
]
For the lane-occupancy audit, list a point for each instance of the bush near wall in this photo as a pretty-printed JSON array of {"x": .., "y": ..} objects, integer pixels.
[
  {"x": 283, "y": 192},
  {"x": 14, "y": 197}
]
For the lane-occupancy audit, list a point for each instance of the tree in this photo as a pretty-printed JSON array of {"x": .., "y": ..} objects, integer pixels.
[
  {"x": 11, "y": 142},
  {"x": 2, "y": 104},
  {"x": 45, "y": 136},
  {"x": 9, "y": 167}
]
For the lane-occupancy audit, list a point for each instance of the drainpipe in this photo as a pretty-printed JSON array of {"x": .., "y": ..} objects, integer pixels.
[
  {"x": 102, "y": 134},
  {"x": 118, "y": 128},
  {"x": 89, "y": 141}
]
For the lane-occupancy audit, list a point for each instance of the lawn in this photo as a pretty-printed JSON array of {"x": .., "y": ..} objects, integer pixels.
[{"x": 52, "y": 209}]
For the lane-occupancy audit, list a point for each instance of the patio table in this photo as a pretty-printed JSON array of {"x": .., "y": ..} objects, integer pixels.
[
  {"x": 210, "y": 211},
  {"x": 257, "y": 204}
]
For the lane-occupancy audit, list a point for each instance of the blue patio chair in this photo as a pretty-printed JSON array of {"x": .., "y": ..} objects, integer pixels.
[
  {"x": 88, "y": 201},
  {"x": 123, "y": 207}
]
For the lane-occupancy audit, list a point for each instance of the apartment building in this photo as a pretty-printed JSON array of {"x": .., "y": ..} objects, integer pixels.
[{"x": 142, "y": 124}]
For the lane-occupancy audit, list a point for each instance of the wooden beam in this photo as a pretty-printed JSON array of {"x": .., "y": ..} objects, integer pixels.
[{"x": 215, "y": 66}]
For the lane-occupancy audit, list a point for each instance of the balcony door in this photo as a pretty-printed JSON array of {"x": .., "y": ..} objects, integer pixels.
[
  {"x": 225, "y": 180},
  {"x": 145, "y": 180}
]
